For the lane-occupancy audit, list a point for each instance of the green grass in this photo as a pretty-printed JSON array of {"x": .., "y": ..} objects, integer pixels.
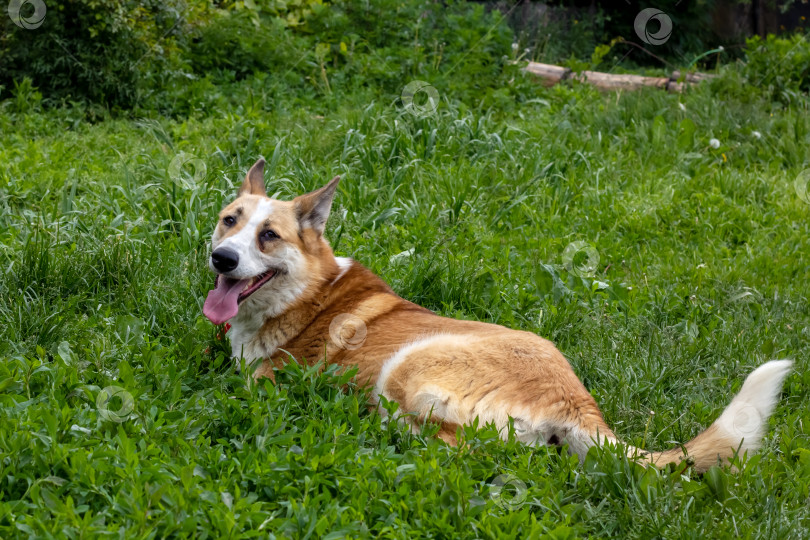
[{"x": 702, "y": 275}]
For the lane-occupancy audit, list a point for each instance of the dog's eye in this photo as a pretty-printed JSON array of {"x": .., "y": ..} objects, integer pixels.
[
  {"x": 269, "y": 235},
  {"x": 229, "y": 221}
]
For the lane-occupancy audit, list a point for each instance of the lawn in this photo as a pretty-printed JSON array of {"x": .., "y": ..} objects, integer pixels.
[{"x": 663, "y": 264}]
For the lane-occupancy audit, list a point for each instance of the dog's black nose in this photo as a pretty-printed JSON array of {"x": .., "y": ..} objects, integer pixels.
[{"x": 225, "y": 259}]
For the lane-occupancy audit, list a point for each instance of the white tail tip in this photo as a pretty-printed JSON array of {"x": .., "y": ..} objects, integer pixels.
[{"x": 745, "y": 419}]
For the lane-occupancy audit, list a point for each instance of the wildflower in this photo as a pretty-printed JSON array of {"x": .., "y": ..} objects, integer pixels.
[
  {"x": 714, "y": 143},
  {"x": 515, "y": 46},
  {"x": 757, "y": 134},
  {"x": 682, "y": 107}
]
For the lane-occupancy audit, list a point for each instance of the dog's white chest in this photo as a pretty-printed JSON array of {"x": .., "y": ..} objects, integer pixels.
[{"x": 248, "y": 342}]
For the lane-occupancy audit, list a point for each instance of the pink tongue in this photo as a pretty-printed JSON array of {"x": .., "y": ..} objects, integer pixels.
[{"x": 222, "y": 303}]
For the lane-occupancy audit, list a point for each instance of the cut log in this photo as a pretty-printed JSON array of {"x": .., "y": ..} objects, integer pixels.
[
  {"x": 551, "y": 75},
  {"x": 693, "y": 77},
  {"x": 611, "y": 81}
]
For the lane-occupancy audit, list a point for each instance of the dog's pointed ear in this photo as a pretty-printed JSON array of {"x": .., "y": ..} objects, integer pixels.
[
  {"x": 313, "y": 208},
  {"x": 254, "y": 181}
]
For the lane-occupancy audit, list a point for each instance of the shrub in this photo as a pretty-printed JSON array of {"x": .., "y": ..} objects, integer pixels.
[
  {"x": 457, "y": 46},
  {"x": 781, "y": 65},
  {"x": 155, "y": 54},
  {"x": 94, "y": 50}
]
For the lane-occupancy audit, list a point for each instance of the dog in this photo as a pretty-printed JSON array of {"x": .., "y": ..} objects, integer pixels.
[{"x": 286, "y": 295}]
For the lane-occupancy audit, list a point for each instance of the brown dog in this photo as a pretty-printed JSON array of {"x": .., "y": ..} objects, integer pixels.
[{"x": 286, "y": 294}]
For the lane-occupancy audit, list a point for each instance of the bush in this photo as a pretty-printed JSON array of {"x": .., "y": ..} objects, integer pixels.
[
  {"x": 231, "y": 42},
  {"x": 94, "y": 50},
  {"x": 780, "y": 65},
  {"x": 774, "y": 69},
  {"x": 156, "y": 55}
]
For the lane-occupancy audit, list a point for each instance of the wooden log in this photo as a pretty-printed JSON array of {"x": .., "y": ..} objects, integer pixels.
[
  {"x": 620, "y": 81},
  {"x": 693, "y": 77},
  {"x": 676, "y": 87},
  {"x": 551, "y": 75}
]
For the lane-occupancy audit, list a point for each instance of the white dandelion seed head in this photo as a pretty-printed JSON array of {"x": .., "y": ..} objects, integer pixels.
[{"x": 714, "y": 143}]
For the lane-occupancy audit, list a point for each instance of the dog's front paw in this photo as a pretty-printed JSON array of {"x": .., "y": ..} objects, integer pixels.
[{"x": 264, "y": 370}]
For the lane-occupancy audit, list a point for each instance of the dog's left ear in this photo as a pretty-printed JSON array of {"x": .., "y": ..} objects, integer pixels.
[
  {"x": 254, "y": 181},
  {"x": 313, "y": 208}
]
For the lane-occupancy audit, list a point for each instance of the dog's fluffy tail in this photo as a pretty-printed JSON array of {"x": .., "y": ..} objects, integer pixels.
[{"x": 739, "y": 429}]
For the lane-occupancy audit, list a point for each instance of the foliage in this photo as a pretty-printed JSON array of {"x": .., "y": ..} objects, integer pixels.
[
  {"x": 567, "y": 31},
  {"x": 291, "y": 13},
  {"x": 160, "y": 55},
  {"x": 467, "y": 210},
  {"x": 234, "y": 43},
  {"x": 165, "y": 57},
  {"x": 779, "y": 64},
  {"x": 94, "y": 50}
]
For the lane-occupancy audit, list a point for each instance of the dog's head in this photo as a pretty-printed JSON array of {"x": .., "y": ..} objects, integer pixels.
[{"x": 267, "y": 253}]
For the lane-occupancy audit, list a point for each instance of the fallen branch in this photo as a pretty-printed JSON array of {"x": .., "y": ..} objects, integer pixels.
[{"x": 551, "y": 75}]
